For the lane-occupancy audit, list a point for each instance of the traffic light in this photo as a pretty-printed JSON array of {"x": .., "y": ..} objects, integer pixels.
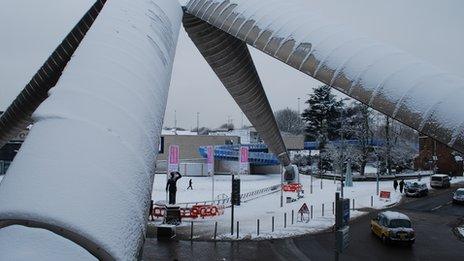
[{"x": 236, "y": 192}]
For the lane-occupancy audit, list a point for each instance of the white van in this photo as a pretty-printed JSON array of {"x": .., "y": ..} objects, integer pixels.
[{"x": 440, "y": 181}]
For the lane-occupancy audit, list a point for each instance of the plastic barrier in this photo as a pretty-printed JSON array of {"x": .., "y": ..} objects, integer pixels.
[
  {"x": 193, "y": 212},
  {"x": 292, "y": 187}
]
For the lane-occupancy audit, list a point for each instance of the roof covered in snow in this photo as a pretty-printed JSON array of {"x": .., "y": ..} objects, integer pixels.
[{"x": 394, "y": 215}]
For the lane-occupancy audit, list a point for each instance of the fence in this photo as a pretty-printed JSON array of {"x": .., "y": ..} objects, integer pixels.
[{"x": 226, "y": 201}]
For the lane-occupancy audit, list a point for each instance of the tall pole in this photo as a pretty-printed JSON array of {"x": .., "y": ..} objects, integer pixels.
[
  {"x": 175, "y": 119},
  {"x": 281, "y": 189},
  {"x": 232, "y": 212},
  {"x": 198, "y": 123}
]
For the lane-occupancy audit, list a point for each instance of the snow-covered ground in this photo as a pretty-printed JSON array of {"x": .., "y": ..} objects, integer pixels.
[{"x": 268, "y": 206}]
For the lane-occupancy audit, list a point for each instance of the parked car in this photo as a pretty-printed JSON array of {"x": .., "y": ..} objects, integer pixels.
[
  {"x": 416, "y": 189},
  {"x": 458, "y": 196},
  {"x": 393, "y": 226},
  {"x": 440, "y": 181}
]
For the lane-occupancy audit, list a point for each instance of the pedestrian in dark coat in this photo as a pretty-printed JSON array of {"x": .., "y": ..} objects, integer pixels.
[
  {"x": 171, "y": 186},
  {"x": 395, "y": 184},
  {"x": 190, "y": 185},
  {"x": 401, "y": 185}
]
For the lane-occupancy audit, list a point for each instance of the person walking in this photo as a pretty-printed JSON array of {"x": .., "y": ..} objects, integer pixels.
[
  {"x": 395, "y": 184},
  {"x": 171, "y": 186},
  {"x": 190, "y": 185},
  {"x": 151, "y": 211},
  {"x": 401, "y": 185}
]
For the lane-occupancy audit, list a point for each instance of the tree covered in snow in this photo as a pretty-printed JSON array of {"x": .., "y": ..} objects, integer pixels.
[
  {"x": 400, "y": 144},
  {"x": 322, "y": 117},
  {"x": 358, "y": 126},
  {"x": 289, "y": 121}
]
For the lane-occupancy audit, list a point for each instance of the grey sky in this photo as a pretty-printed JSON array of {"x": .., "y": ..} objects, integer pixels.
[{"x": 431, "y": 30}]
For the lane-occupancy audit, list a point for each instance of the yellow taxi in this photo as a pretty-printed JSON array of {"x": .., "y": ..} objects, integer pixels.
[{"x": 393, "y": 226}]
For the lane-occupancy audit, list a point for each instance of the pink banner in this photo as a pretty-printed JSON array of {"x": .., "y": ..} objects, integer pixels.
[
  {"x": 173, "y": 158},
  {"x": 244, "y": 153},
  {"x": 210, "y": 159},
  {"x": 210, "y": 154}
]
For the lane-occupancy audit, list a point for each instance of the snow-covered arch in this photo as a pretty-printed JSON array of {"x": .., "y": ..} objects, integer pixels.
[
  {"x": 385, "y": 78},
  {"x": 86, "y": 170}
]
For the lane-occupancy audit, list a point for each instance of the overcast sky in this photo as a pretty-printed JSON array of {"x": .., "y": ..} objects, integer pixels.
[{"x": 429, "y": 29}]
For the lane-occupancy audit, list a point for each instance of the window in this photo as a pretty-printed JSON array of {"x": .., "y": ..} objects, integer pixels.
[{"x": 395, "y": 223}]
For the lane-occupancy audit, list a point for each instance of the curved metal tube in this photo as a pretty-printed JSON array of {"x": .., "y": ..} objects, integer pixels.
[
  {"x": 18, "y": 115},
  {"x": 387, "y": 79},
  {"x": 86, "y": 169},
  {"x": 230, "y": 59}
]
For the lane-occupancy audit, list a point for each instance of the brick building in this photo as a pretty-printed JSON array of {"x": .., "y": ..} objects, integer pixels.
[{"x": 435, "y": 154}]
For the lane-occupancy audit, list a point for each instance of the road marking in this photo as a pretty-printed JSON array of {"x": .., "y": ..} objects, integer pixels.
[{"x": 435, "y": 208}]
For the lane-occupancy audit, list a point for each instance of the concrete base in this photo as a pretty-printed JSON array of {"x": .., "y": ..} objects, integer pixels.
[
  {"x": 172, "y": 215},
  {"x": 166, "y": 231}
]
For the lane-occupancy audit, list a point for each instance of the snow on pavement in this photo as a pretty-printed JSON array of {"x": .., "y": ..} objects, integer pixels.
[{"x": 268, "y": 206}]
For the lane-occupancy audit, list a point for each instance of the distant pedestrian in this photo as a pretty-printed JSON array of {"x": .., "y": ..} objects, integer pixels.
[
  {"x": 190, "y": 185},
  {"x": 151, "y": 211},
  {"x": 395, "y": 184},
  {"x": 401, "y": 185}
]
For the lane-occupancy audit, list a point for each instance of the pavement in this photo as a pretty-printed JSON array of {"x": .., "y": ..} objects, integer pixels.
[{"x": 433, "y": 217}]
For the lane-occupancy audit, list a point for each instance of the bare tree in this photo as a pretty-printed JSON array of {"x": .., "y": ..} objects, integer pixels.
[{"x": 289, "y": 121}]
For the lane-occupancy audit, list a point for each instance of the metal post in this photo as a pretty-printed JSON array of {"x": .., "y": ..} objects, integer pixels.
[
  {"x": 353, "y": 204},
  {"x": 333, "y": 208},
  {"x": 377, "y": 179},
  {"x": 312, "y": 212},
  {"x": 215, "y": 230},
  {"x": 191, "y": 231},
  {"x": 238, "y": 228},
  {"x": 372, "y": 201},
  {"x": 272, "y": 223},
  {"x": 322, "y": 209},
  {"x": 321, "y": 181},
  {"x": 285, "y": 220},
  {"x": 311, "y": 187},
  {"x": 293, "y": 214},
  {"x": 232, "y": 214},
  {"x": 337, "y": 226},
  {"x": 257, "y": 227},
  {"x": 212, "y": 184},
  {"x": 281, "y": 189}
]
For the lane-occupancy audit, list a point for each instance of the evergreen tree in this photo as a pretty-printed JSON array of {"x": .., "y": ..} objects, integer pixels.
[{"x": 322, "y": 117}]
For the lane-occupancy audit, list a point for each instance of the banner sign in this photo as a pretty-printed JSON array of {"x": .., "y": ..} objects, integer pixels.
[
  {"x": 210, "y": 159},
  {"x": 173, "y": 158},
  {"x": 243, "y": 159}
]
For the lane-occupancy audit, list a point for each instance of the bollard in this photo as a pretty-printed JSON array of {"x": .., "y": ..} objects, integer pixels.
[
  {"x": 257, "y": 227},
  {"x": 372, "y": 201},
  {"x": 238, "y": 228},
  {"x": 215, "y": 230},
  {"x": 353, "y": 204},
  {"x": 311, "y": 211},
  {"x": 191, "y": 231},
  {"x": 333, "y": 208},
  {"x": 292, "y": 216},
  {"x": 321, "y": 182},
  {"x": 285, "y": 220},
  {"x": 322, "y": 209},
  {"x": 272, "y": 223}
]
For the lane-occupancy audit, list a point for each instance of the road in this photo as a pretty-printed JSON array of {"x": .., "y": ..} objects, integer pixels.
[{"x": 433, "y": 219}]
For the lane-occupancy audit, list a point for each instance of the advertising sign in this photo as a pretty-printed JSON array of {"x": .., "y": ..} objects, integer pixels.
[
  {"x": 173, "y": 158},
  {"x": 210, "y": 160},
  {"x": 243, "y": 160}
]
